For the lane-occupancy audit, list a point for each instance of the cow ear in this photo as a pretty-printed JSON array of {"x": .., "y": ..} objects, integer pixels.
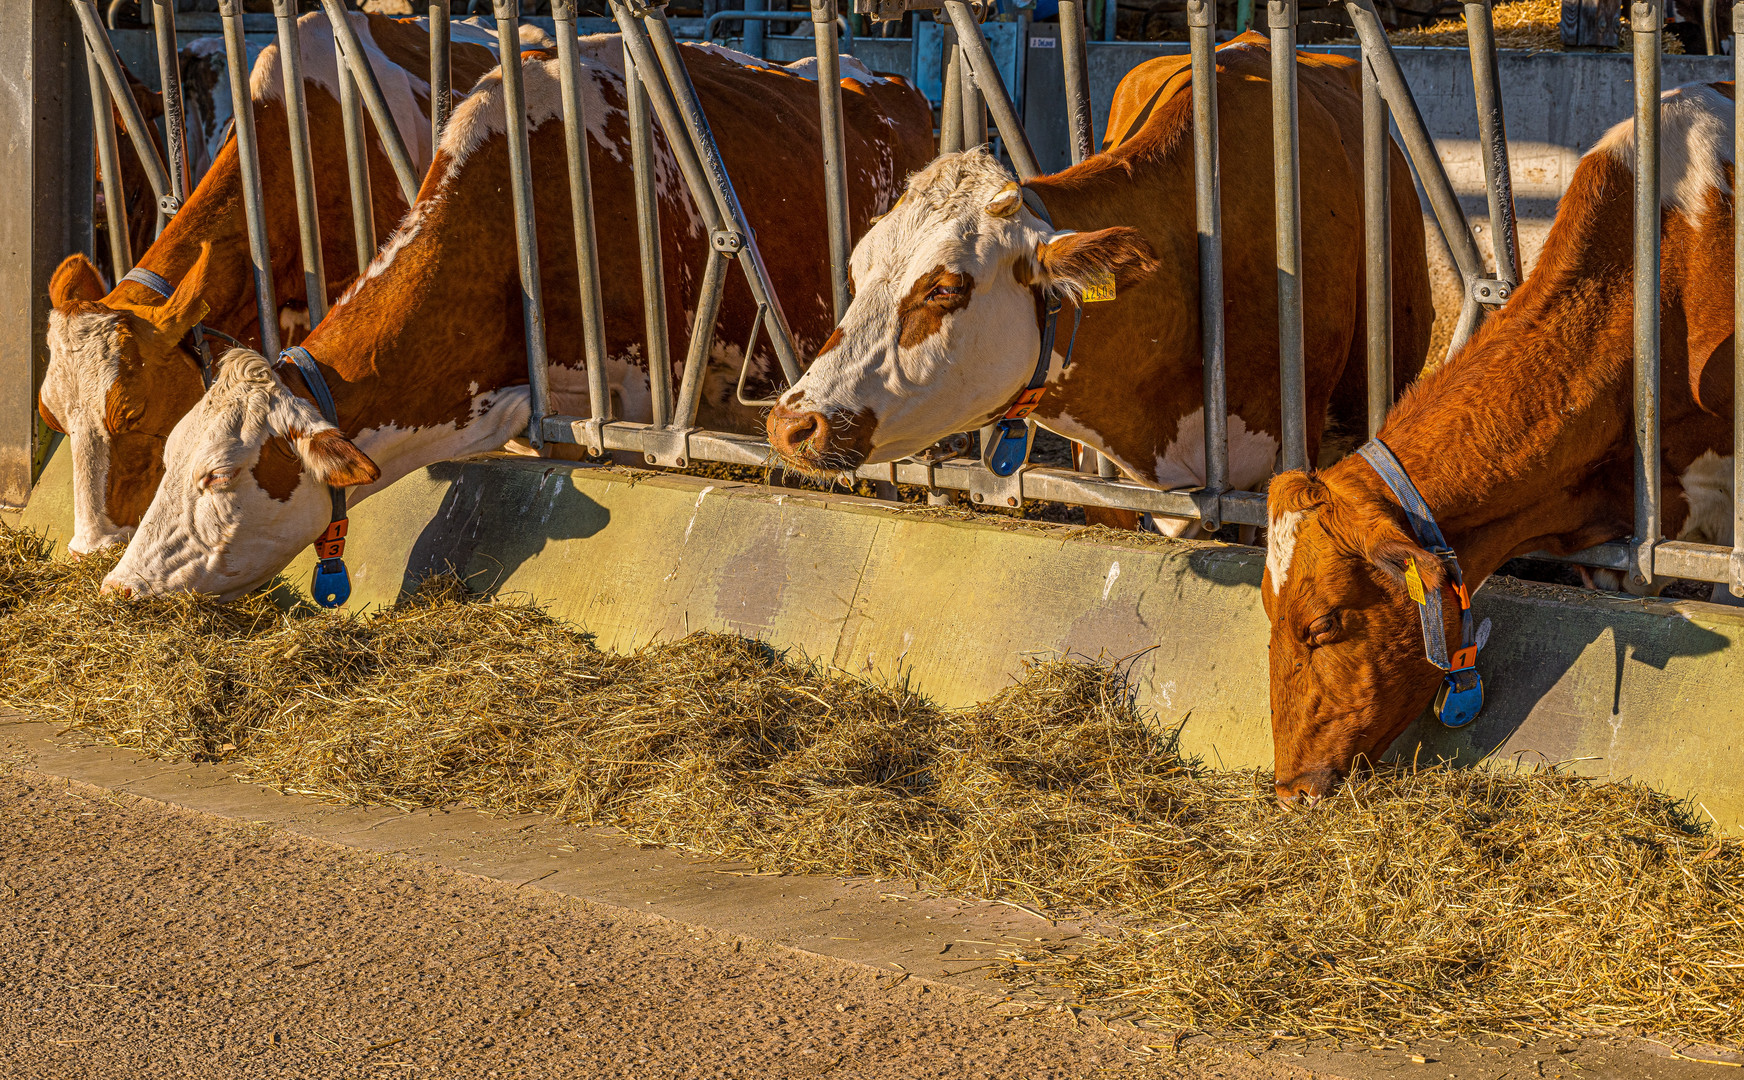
[
  {"x": 1294, "y": 492},
  {"x": 176, "y": 316},
  {"x": 1078, "y": 262},
  {"x": 335, "y": 460},
  {"x": 1394, "y": 556},
  {"x": 75, "y": 279},
  {"x": 1006, "y": 202}
]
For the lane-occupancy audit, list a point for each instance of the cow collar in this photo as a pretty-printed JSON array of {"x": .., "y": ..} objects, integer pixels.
[
  {"x": 1011, "y": 433},
  {"x": 1462, "y": 690},
  {"x": 157, "y": 283},
  {"x": 331, "y": 585}
]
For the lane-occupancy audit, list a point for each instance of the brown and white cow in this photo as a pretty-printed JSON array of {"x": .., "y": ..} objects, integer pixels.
[
  {"x": 1521, "y": 442},
  {"x": 120, "y": 373},
  {"x": 425, "y": 355},
  {"x": 944, "y": 330}
]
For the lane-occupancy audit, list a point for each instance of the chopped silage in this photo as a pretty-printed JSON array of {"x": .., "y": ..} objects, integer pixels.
[{"x": 1418, "y": 901}]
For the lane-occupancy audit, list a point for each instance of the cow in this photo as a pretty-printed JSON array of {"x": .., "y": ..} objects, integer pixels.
[
  {"x": 121, "y": 372},
  {"x": 425, "y": 355},
  {"x": 945, "y": 328},
  {"x": 1521, "y": 442}
]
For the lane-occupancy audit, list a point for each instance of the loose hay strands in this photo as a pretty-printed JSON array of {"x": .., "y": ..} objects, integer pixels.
[
  {"x": 1529, "y": 25},
  {"x": 1429, "y": 901}
]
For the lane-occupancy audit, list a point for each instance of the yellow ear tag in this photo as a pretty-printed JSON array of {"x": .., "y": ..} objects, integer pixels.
[
  {"x": 1098, "y": 286},
  {"x": 1414, "y": 583}
]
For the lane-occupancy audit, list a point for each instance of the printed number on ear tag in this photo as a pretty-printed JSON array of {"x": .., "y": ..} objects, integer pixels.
[
  {"x": 1414, "y": 583},
  {"x": 1098, "y": 286}
]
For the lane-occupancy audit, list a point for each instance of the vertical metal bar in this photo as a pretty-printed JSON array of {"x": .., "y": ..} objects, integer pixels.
[
  {"x": 835, "y": 149},
  {"x": 971, "y": 105},
  {"x": 587, "y": 267},
  {"x": 385, "y": 128},
  {"x": 754, "y": 32},
  {"x": 248, "y": 154},
  {"x": 1286, "y": 177},
  {"x": 708, "y": 306},
  {"x": 1208, "y": 209},
  {"x": 1493, "y": 135},
  {"x": 1072, "y": 54},
  {"x": 992, "y": 87},
  {"x": 169, "y": 70},
  {"x": 1377, "y": 248},
  {"x": 97, "y": 39},
  {"x": 951, "y": 105},
  {"x": 659, "y": 93},
  {"x": 441, "y": 79},
  {"x": 109, "y": 162},
  {"x": 356, "y": 162},
  {"x": 302, "y": 161},
  {"x": 1111, "y": 12},
  {"x": 1645, "y": 19},
  {"x": 1711, "y": 26},
  {"x": 526, "y": 235},
  {"x": 659, "y": 349},
  {"x": 1737, "y": 563}
]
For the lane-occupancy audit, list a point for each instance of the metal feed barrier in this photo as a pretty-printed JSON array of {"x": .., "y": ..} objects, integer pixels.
[{"x": 661, "y": 88}]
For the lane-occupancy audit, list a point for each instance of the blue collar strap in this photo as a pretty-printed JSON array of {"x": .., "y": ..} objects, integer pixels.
[
  {"x": 157, "y": 283},
  {"x": 1462, "y": 690},
  {"x": 331, "y": 586},
  {"x": 1011, "y": 432}
]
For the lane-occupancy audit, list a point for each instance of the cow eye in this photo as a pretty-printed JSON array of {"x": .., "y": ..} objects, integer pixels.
[
  {"x": 941, "y": 291},
  {"x": 218, "y": 479},
  {"x": 1324, "y": 630}
]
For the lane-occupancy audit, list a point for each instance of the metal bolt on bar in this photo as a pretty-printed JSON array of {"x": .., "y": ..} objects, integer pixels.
[
  {"x": 526, "y": 235},
  {"x": 1645, "y": 20},
  {"x": 829, "y": 77},
  {"x": 356, "y": 162},
  {"x": 951, "y": 105},
  {"x": 385, "y": 128},
  {"x": 986, "y": 76},
  {"x": 169, "y": 67},
  {"x": 1493, "y": 134},
  {"x": 441, "y": 80},
  {"x": 1377, "y": 247},
  {"x": 109, "y": 161},
  {"x": 1072, "y": 54},
  {"x": 248, "y": 153},
  {"x": 103, "y": 53},
  {"x": 587, "y": 268},
  {"x": 648, "y": 240},
  {"x": 1736, "y": 564},
  {"x": 1286, "y": 180},
  {"x": 1208, "y": 206},
  {"x": 302, "y": 162}
]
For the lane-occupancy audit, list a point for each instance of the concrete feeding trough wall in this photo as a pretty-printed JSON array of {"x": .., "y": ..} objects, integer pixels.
[{"x": 1645, "y": 689}]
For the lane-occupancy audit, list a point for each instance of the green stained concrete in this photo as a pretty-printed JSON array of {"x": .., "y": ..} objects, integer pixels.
[{"x": 1645, "y": 689}]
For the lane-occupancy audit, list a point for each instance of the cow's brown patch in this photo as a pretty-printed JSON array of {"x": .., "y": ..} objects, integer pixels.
[
  {"x": 831, "y": 342},
  {"x": 1078, "y": 257},
  {"x": 934, "y": 294},
  {"x": 337, "y": 461},
  {"x": 135, "y": 467},
  {"x": 279, "y": 469},
  {"x": 49, "y": 418}
]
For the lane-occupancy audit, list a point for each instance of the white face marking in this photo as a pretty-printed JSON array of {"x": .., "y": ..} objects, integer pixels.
[
  {"x": 84, "y": 359},
  {"x": 1281, "y": 546},
  {"x": 1707, "y": 485},
  {"x": 1695, "y": 146}
]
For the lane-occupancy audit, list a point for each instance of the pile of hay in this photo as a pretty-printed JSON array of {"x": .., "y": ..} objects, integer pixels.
[
  {"x": 1417, "y": 901},
  {"x": 1530, "y": 25}
]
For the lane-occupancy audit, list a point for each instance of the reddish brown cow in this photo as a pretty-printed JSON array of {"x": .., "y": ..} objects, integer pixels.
[{"x": 1521, "y": 442}]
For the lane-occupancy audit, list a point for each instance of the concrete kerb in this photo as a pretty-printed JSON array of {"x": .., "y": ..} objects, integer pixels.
[{"x": 1623, "y": 688}]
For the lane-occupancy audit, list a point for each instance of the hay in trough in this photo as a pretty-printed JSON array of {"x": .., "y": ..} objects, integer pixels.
[
  {"x": 1417, "y": 901},
  {"x": 1528, "y": 25}
]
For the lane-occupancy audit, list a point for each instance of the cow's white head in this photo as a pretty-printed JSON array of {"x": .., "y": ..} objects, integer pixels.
[
  {"x": 119, "y": 377},
  {"x": 944, "y": 330},
  {"x": 246, "y": 474}
]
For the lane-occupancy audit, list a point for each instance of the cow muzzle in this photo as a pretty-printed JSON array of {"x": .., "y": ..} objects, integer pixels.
[
  {"x": 1306, "y": 789},
  {"x": 814, "y": 441}
]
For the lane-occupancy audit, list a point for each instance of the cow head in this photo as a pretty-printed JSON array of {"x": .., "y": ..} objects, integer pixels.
[
  {"x": 945, "y": 324},
  {"x": 119, "y": 377},
  {"x": 1348, "y": 671},
  {"x": 250, "y": 452}
]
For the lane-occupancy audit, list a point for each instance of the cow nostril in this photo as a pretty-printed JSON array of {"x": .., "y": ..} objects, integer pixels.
[
  {"x": 793, "y": 432},
  {"x": 113, "y": 589}
]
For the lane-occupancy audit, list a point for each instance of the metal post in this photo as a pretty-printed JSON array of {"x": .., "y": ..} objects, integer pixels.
[
  {"x": 971, "y": 106},
  {"x": 1737, "y": 562},
  {"x": 1493, "y": 134},
  {"x": 986, "y": 74},
  {"x": 248, "y": 155},
  {"x": 526, "y": 235},
  {"x": 648, "y": 240},
  {"x": 169, "y": 69},
  {"x": 97, "y": 39},
  {"x": 1110, "y": 15},
  {"x": 753, "y": 31},
  {"x": 109, "y": 163},
  {"x": 385, "y": 128},
  {"x": 951, "y": 107},
  {"x": 1286, "y": 176},
  {"x": 302, "y": 162},
  {"x": 587, "y": 268},
  {"x": 1208, "y": 206},
  {"x": 356, "y": 163},
  {"x": 708, "y": 306},
  {"x": 1645, "y": 19},
  {"x": 1072, "y": 54},
  {"x": 441, "y": 81},
  {"x": 1377, "y": 248},
  {"x": 829, "y": 76}
]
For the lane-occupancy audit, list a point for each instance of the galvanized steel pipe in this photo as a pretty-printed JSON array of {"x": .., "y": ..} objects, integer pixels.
[
  {"x": 97, "y": 40},
  {"x": 992, "y": 87},
  {"x": 658, "y": 348},
  {"x": 356, "y": 162},
  {"x": 109, "y": 161},
  {"x": 441, "y": 79},
  {"x": 1208, "y": 211},
  {"x": 169, "y": 68},
  {"x": 302, "y": 163},
  {"x": 1286, "y": 180},
  {"x": 1377, "y": 247},
  {"x": 835, "y": 148},
  {"x": 951, "y": 105},
  {"x": 1493, "y": 135},
  {"x": 587, "y": 268},
  {"x": 385, "y": 128},
  {"x": 971, "y": 105},
  {"x": 248, "y": 155},
  {"x": 1077, "y": 70},
  {"x": 708, "y": 306},
  {"x": 1645, "y": 19}
]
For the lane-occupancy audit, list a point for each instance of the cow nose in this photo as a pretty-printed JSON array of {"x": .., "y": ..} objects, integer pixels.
[
  {"x": 1304, "y": 791},
  {"x": 115, "y": 588},
  {"x": 797, "y": 434}
]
